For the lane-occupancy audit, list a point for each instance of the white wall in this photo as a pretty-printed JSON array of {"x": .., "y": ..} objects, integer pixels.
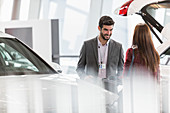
[{"x": 41, "y": 33}]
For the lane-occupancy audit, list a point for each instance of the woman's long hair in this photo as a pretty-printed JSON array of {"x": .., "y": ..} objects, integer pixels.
[{"x": 142, "y": 38}]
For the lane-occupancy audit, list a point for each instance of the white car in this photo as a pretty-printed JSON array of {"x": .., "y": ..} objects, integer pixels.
[
  {"x": 156, "y": 14},
  {"x": 29, "y": 84}
]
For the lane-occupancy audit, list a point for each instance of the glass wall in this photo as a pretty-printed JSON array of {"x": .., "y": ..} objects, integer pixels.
[
  {"x": 78, "y": 21},
  {"x": 73, "y": 21}
]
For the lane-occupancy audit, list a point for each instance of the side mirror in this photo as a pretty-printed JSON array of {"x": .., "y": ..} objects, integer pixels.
[{"x": 56, "y": 66}]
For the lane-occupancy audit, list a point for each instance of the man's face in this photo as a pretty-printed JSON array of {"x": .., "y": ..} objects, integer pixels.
[{"x": 106, "y": 31}]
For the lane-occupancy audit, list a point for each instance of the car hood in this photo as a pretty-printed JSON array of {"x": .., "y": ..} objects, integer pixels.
[{"x": 51, "y": 93}]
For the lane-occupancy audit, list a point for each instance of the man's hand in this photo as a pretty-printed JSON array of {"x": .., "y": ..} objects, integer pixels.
[{"x": 88, "y": 77}]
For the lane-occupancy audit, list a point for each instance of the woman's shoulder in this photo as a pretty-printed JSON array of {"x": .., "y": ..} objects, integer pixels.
[
  {"x": 129, "y": 53},
  {"x": 129, "y": 50}
]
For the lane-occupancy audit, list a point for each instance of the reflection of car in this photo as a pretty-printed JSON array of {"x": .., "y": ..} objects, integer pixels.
[
  {"x": 34, "y": 86},
  {"x": 156, "y": 14}
]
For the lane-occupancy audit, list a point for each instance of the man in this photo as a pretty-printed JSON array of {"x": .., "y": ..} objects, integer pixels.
[{"x": 101, "y": 56}]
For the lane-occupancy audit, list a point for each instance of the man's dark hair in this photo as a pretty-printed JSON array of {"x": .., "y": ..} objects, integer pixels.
[{"x": 105, "y": 20}]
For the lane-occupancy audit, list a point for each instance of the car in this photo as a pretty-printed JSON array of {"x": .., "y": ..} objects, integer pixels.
[
  {"x": 156, "y": 14},
  {"x": 29, "y": 84}
]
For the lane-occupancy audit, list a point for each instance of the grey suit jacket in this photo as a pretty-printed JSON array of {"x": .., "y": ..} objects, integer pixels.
[{"x": 88, "y": 59}]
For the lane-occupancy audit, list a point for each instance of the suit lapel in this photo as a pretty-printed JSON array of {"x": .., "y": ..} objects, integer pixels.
[{"x": 95, "y": 45}]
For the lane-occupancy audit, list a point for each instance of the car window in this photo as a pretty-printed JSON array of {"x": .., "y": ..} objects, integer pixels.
[
  {"x": 165, "y": 57},
  {"x": 17, "y": 59},
  {"x": 14, "y": 59}
]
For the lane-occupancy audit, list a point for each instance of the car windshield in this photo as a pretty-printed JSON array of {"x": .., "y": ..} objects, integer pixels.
[{"x": 17, "y": 59}]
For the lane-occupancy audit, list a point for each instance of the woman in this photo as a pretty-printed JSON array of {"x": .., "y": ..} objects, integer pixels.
[
  {"x": 146, "y": 58},
  {"x": 143, "y": 84}
]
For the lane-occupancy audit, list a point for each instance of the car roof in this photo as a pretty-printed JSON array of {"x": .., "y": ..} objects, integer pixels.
[{"x": 5, "y": 35}]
